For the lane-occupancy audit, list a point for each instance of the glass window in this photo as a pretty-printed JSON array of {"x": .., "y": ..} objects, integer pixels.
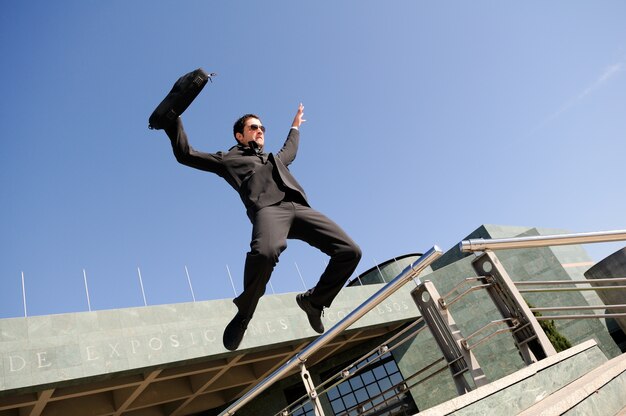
[
  {"x": 344, "y": 388},
  {"x": 349, "y": 400},
  {"x": 377, "y": 400},
  {"x": 379, "y": 372},
  {"x": 373, "y": 389},
  {"x": 368, "y": 377},
  {"x": 396, "y": 378},
  {"x": 356, "y": 382},
  {"x": 384, "y": 384},
  {"x": 333, "y": 394},
  {"x": 361, "y": 395},
  {"x": 337, "y": 405},
  {"x": 391, "y": 367},
  {"x": 307, "y": 410},
  {"x": 364, "y": 390},
  {"x": 294, "y": 393}
]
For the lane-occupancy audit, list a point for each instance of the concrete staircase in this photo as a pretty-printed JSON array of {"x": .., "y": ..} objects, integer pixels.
[
  {"x": 578, "y": 381},
  {"x": 601, "y": 391}
]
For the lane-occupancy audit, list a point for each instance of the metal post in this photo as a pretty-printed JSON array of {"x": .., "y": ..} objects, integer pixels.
[
  {"x": 382, "y": 278},
  {"x": 193, "y": 296},
  {"x": 24, "y": 295},
  {"x": 231, "y": 280},
  {"x": 311, "y": 391},
  {"x": 448, "y": 337},
  {"x": 141, "y": 284},
  {"x": 529, "y": 337},
  {"x": 358, "y": 277},
  {"x": 87, "y": 290},
  {"x": 301, "y": 278},
  {"x": 410, "y": 272}
]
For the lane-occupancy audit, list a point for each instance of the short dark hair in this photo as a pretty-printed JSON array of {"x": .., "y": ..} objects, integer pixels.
[{"x": 240, "y": 124}]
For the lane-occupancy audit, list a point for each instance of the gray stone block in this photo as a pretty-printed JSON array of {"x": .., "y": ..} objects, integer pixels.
[{"x": 613, "y": 266}]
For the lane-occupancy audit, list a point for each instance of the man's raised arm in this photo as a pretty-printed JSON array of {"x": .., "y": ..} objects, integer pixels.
[
  {"x": 187, "y": 155},
  {"x": 288, "y": 153}
]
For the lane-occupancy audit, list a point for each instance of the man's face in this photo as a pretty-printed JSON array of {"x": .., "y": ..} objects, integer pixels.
[{"x": 253, "y": 131}]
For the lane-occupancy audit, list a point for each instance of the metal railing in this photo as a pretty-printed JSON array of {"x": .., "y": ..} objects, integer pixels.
[
  {"x": 299, "y": 359},
  {"x": 480, "y": 244},
  {"x": 366, "y": 361},
  {"x": 487, "y": 245}
]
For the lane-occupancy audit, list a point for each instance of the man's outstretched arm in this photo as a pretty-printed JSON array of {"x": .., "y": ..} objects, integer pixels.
[
  {"x": 288, "y": 153},
  {"x": 187, "y": 155}
]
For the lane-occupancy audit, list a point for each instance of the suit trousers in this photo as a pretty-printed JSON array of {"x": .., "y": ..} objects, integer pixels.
[{"x": 272, "y": 226}]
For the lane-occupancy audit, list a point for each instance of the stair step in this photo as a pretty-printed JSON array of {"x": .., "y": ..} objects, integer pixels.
[
  {"x": 602, "y": 391},
  {"x": 526, "y": 387}
]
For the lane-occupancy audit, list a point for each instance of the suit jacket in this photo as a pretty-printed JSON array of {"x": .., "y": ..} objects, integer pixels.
[{"x": 261, "y": 179}]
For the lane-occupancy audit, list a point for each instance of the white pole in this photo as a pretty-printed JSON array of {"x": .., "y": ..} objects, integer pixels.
[
  {"x": 141, "y": 284},
  {"x": 190, "y": 287},
  {"x": 298, "y": 269},
  {"x": 379, "y": 272},
  {"x": 231, "y": 280},
  {"x": 24, "y": 295},
  {"x": 358, "y": 277},
  {"x": 416, "y": 279},
  {"x": 87, "y": 289},
  {"x": 272, "y": 287}
]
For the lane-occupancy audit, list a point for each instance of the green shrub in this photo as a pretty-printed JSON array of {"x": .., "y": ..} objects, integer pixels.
[{"x": 558, "y": 340}]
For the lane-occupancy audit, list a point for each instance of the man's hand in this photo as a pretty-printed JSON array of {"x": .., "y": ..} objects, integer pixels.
[{"x": 299, "y": 118}]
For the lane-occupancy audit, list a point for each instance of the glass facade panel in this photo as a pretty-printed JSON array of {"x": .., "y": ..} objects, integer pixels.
[
  {"x": 384, "y": 384},
  {"x": 307, "y": 410},
  {"x": 356, "y": 382},
  {"x": 373, "y": 389},
  {"x": 361, "y": 395},
  {"x": 344, "y": 388},
  {"x": 333, "y": 394},
  {"x": 363, "y": 391},
  {"x": 385, "y": 272},
  {"x": 380, "y": 373},
  {"x": 349, "y": 400},
  {"x": 396, "y": 378},
  {"x": 368, "y": 377},
  {"x": 293, "y": 395},
  {"x": 337, "y": 405},
  {"x": 390, "y": 367}
]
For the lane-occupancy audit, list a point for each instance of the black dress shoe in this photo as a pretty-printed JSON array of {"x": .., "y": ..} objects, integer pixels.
[
  {"x": 233, "y": 334},
  {"x": 313, "y": 313}
]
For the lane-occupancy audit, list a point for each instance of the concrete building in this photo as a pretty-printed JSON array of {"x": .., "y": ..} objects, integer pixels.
[{"x": 169, "y": 359}]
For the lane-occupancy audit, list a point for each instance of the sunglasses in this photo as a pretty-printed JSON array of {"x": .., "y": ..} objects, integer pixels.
[{"x": 255, "y": 127}]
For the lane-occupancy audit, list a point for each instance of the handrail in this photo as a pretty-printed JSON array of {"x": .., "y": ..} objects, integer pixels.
[
  {"x": 568, "y": 282},
  {"x": 480, "y": 244},
  {"x": 345, "y": 374},
  {"x": 407, "y": 274},
  {"x": 576, "y": 308},
  {"x": 570, "y": 289}
]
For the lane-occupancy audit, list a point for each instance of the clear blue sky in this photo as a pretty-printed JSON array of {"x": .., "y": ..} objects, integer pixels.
[{"x": 428, "y": 119}]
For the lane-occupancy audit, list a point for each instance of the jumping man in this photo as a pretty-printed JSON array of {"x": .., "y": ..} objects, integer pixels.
[{"x": 279, "y": 210}]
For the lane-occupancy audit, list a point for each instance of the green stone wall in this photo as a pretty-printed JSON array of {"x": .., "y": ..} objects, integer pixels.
[
  {"x": 499, "y": 356},
  {"x": 72, "y": 348}
]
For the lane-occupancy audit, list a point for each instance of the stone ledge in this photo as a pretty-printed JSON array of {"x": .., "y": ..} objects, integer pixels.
[
  {"x": 475, "y": 396},
  {"x": 63, "y": 348},
  {"x": 579, "y": 390}
]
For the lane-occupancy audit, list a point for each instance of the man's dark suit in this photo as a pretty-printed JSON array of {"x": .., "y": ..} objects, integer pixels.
[{"x": 278, "y": 209}]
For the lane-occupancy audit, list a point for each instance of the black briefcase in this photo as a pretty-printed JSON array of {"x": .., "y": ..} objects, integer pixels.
[{"x": 184, "y": 91}]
